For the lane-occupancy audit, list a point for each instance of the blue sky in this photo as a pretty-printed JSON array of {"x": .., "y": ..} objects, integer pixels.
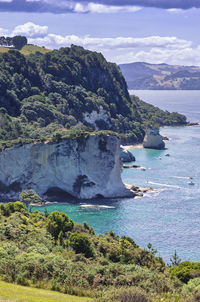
[{"x": 155, "y": 31}]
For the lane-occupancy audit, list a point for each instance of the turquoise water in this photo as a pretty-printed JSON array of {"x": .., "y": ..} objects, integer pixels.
[{"x": 168, "y": 218}]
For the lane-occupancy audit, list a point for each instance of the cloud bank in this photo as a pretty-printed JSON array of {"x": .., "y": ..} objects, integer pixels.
[
  {"x": 152, "y": 49},
  {"x": 94, "y": 6}
]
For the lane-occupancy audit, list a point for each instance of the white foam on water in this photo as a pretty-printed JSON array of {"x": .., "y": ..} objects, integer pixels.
[
  {"x": 182, "y": 177},
  {"x": 96, "y": 206},
  {"x": 164, "y": 185}
]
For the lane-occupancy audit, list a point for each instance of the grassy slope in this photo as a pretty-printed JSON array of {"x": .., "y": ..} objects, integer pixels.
[
  {"x": 31, "y": 49},
  {"x": 28, "y": 49},
  {"x": 12, "y": 292},
  {"x": 3, "y": 49}
]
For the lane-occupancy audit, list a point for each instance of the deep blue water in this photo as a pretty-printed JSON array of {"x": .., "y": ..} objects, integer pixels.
[{"x": 169, "y": 218}]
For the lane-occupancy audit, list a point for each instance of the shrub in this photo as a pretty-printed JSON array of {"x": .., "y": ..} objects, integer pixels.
[
  {"x": 58, "y": 223},
  {"x": 81, "y": 244},
  {"x": 132, "y": 294},
  {"x": 186, "y": 271}
]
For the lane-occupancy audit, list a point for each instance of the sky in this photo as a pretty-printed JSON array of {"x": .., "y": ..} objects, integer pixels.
[{"x": 125, "y": 31}]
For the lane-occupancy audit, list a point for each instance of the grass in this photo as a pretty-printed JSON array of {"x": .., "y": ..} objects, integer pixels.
[
  {"x": 3, "y": 49},
  {"x": 31, "y": 49},
  {"x": 17, "y": 293},
  {"x": 27, "y": 49}
]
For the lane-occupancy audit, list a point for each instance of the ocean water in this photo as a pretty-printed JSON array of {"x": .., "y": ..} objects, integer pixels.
[
  {"x": 169, "y": 218},
  {"x": 186, "y": 102}
]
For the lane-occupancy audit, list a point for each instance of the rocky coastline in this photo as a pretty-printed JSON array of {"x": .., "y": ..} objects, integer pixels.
[{"x": 84, "y": 169}]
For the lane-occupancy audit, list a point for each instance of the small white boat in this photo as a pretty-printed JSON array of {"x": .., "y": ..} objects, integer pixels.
[{"x": 191, "y": 183}]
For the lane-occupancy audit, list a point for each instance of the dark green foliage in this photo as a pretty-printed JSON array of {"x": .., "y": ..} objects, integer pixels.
[
  {"x": 41, "y": 94},
  {"x": 81, "y": 244},
  {"x": 175, "y": 260},
  {"x": 17, "y": 41},
  {"x": 151, "y": 115},
  {"x": 30, "y": 196},
  {"x": 51, "y": 251},
  {"x": 58, "y": 224},
  {"x": 11, "y": 207},
  {"x": 186, "y": 270}
]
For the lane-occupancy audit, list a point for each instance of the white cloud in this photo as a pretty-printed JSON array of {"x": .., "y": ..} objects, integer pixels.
[
  {"x": 153, "y": 49},
  {"x": 101, "y": 8},
  {"x": 30, "y": 30},
  {"x": 3, "y": 31},
  {"x": 186, "y": 56},
  {"x": 176, "y": 10},
  {"x": 52, "y": 40}
]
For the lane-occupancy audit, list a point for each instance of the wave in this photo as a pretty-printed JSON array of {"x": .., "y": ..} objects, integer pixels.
[
  {"x": 94, "y": 206},
  {"x": 164, "y": 185},
  {"x": 182, "y": 177}
]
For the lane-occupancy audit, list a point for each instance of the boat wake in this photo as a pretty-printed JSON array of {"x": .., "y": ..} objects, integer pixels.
[
  {"x": 163, "y": 185},
  {"x": 92, "y": 206},
  {"x": 182, "y": 177}
]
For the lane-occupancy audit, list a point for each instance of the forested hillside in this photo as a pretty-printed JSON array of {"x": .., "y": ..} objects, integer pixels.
[
  {"x": 51, "y": 251},
  {"x": 42, "y": 93}
]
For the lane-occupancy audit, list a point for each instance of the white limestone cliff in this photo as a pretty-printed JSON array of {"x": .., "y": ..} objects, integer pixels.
[{"x": 84, "y": 168}]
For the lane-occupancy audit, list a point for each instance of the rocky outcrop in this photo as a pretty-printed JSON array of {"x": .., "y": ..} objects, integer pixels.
[
  {"x": 84, "y": 168},
  {"x": 152, "y": 139},
  {"x": 126, "y": 156}
]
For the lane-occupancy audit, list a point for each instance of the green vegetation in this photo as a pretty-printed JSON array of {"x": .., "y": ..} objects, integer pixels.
[
  {"x": 28, "y": 49},
  {"x": 52, "y": 252},
  {"x": 186, "y": 270},
  {"x": 155, "y": 116},
  {"x": 16, "y": 42},
  {"x": 51, "y": 91},
  {"x": 27, "y": 197},
  {"x": 17, "y": 293},
  {"x": 33, "y": 49}
]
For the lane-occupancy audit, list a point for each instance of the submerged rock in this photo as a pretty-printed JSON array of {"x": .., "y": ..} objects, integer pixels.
[
  {"x": 126, "y": 156},
  {"x": 153, "y": 139},
  {"x": 84, "y": 168}
]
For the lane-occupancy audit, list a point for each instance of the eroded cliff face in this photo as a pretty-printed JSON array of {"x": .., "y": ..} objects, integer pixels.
[{"x": 84, "y": 168}]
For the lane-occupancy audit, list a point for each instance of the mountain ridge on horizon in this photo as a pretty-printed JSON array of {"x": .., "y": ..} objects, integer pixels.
[{"x": 162, "y": 76}]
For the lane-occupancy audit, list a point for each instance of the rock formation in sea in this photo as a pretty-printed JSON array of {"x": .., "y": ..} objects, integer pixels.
[
  {"x": 126, "y": 156},
  {"x": 84, "y": 168},
  {"x": 153, "y": 139}
]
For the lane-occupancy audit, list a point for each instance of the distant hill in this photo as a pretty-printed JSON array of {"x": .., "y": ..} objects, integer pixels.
[{"x": 141, "y": 75}]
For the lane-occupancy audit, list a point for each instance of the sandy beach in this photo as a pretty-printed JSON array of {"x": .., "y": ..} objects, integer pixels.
[{"x": 136, "y": 146}]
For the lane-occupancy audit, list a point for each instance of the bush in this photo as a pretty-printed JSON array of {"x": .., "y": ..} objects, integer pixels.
[
  {"x": 132, "y": 294},
  {"x": 81, "y": 244},
  {"x": 186, "y": 271},
  {"x": 58, "y": 224}
]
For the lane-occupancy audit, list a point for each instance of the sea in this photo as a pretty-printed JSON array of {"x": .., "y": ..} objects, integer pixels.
[{"x": 169, "y": 216}]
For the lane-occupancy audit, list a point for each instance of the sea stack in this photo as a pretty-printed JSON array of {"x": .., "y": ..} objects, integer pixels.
[{"x": 153, "y": 139}]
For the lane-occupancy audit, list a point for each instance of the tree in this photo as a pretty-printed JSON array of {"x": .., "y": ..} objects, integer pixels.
[
  {"x": 81, "y": 244},
  {"x": 19, "y": 42},
  {"x": 29, "y": 197},
  {"x": 175, "y": 260},
  {"x": 58, "y": 223}
]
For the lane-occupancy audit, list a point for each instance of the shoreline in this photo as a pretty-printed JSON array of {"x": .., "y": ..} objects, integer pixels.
[{"x": 134, "y": 146}]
